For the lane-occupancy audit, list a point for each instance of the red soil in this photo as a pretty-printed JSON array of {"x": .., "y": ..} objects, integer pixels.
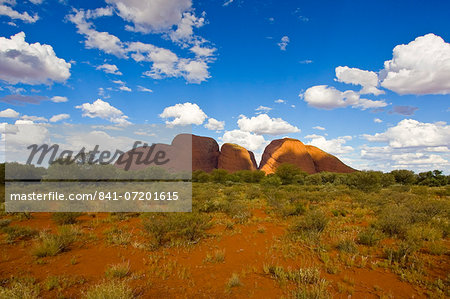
[{"x": 247, "y": 249}]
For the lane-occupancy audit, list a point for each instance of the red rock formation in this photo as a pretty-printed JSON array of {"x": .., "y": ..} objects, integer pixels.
[
  {"x": 234, "y": 157},
  {"x": 129, "y": 160},
  {"x": 307, "y": 157},
  {"x": 286, "y": 150},
  {"x": 205, "y": 151},
  {"x": 326, "y": 162},
  {"x": 205, "y": 154}
]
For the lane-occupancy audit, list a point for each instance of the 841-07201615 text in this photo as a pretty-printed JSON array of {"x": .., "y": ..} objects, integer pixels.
[{"x": 97, "y": 195}]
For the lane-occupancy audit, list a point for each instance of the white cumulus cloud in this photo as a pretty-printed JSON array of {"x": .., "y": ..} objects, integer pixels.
[
  {"x": 7, "y": 10},
  {"x": 328, "y": 97},
  {"x": 185, "y": 29},
  {"x": 59, "y": 117},
  {"x": 21, "y": 62},
  {"x": 59, "y": 99},
  {"x": 184, "y": 114},
  {"x": 263, "y": 124},
  {"x": 420, "y": 67},
  {"x": 367, "y": 79},
  {"x": 9, "y": 113},
  {"x": 251, "y": 142},
  {"x": 333, "y": 146},
  {"x": 144, "y": 89},
  {"x": 109, "y": 69},
  {"x": 151, "y": 15},
  {"x": 263, "y": 108},
  {"x": 214, "y": 124},
  {"x": 103, "y": 41},
  {"x": 104, "y": 110},
  {"x": 166, "y": 63},
  {"x": 412, "y": 133}
]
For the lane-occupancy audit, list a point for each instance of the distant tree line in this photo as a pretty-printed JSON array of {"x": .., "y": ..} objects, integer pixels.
[
  {"x": 78, "y": 172},
  {"x": 290, "y": 174},
  {"x": 284, "y": 175}
]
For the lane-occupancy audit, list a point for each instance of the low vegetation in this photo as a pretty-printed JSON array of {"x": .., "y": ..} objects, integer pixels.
[
  {"x": 299, "y": 235},
  {"x": 65, "y": 218},
  {"x": 20, "y": 288},
  {"x": 118, "y": 271},
  {"x": 53, "y": 244},
  {"x": 111, "y": 290},
  {"x": 169, "y": 228}
]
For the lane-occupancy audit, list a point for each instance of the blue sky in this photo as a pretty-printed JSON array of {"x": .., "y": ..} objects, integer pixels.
[{"x": 330, "y": 73}]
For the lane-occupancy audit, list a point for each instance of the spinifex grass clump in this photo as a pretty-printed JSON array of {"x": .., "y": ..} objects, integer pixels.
[
  {"x": 233, "y": 282},
  {"x": 183, "y": 227},
  {"x": 401, "y": 253},
  {"x": 118, "y": 236},
  {"x": 312, "y": 222},
  {"x": 53, "y": 244},
  {"x": 370, "y": 237},
  {"x": 300, "y": 276},
  {"x": 4, "y": 223},
  {"x": 15, "y": 233},
  {"x": 62, "y": 218},
  {"x": 111, "y": 289},
  {"x": 118, "y": 271},
  {"x": 347, "y": 246},
  {"x": 308, "y": 283},
  {"x": 20, "y": 288}
]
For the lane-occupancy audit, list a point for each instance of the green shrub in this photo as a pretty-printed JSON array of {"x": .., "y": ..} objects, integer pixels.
[
  {"x": 404, "y": 177},
  {"x": 437, "y": 248},
  {"x": 387, "y": 180},
  {"x": 238, "y": 210},
  {"x": 200, "y": 176},
  {"x": 293, "y": 209},
  {"x": 15, "y": 233},
  {"x": 271, "y": 180},
  {"x": 287, "y": 172},
  {"x": 369, "y": 237},
  {"x": 250, "y": 176},
  {"x": 190, "y": 227},
  {"x": 395, "y": 220},
  {"x": 314, "y": 221},
  {"x": 433, "y": 178},
  {"x": 313, "y": 179},
  {"x": 424, "y": 209},
  {"x": 159, "y": 226},
  {"x": 219, "y": 176},
  {"x": 4, "y": 223},
  {"x": 65, "y": 218},
  {"x": 401, "y": 253},
  {"x": 367, "y": 181},
  {"x": 420, "y": 232},
  {"x": 347, "y": 245}
]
